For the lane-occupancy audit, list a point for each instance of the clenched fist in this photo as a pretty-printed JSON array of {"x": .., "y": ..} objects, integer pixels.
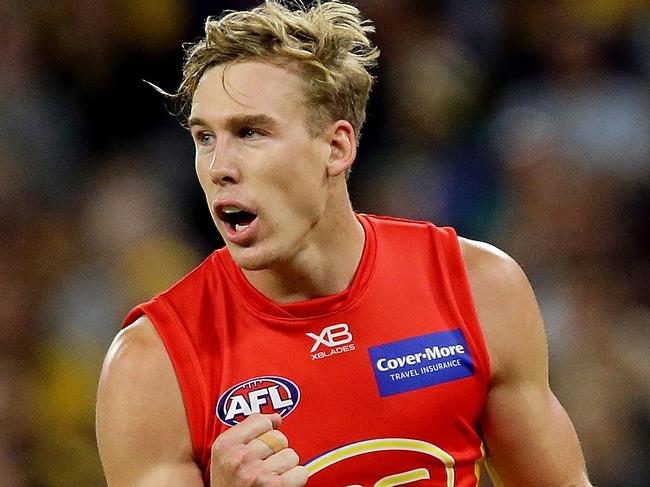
[{"x": 254, "y": 453}]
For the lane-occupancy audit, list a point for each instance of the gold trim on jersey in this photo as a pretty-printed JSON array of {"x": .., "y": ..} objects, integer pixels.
[{"x": 387, "y": 444}]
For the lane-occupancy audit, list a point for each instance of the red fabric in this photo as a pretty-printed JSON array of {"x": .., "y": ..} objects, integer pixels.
[{"x": 219, "y": 331}]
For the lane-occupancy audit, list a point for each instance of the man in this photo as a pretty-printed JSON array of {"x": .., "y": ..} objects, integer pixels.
[{"x": 321, "y": 346}]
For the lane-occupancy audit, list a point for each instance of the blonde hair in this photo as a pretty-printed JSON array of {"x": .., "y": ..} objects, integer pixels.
[{"x": 328, "y": 42}]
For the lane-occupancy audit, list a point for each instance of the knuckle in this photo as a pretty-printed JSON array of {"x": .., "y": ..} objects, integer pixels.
[
  {"x": 264, "y": 480},
  {"x": 302, "y": 475},
  {"x": 221, "y": 443},
  {"x": 217, "y": 446},
  {"x": 246, "y": 477},
  {"x": 256, "y": 418},
  {"x": 253, "y": 476},
  {"x": 267, "y": 421},
  {"x": 252, "y": 417},
  {"x": 260, "y": 419},
  {"x": 233, "y": 459},
  {"x": 292, "y": 455},
  {"x": 249, "y": 455}
]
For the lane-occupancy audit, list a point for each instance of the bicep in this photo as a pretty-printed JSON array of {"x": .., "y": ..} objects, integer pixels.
[
  {"x": 142, "y": 431},
  {"x": 529, "y": 438}
]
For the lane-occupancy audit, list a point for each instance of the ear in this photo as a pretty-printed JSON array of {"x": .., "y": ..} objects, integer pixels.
[{"x": 343, "y": 148}]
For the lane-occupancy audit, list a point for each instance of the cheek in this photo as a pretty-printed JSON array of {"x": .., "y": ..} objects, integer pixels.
[
  {"x": 299, "y": 178},
  {"x": 305, "y": 195},
  {"x": 307, "y": 172},
  {"x": 202, "y": 170}
]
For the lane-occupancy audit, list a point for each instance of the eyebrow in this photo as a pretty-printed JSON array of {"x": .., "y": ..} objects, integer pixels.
[
  {"x": 236, "y": 122},
  {"x": 192, "y": 121}
]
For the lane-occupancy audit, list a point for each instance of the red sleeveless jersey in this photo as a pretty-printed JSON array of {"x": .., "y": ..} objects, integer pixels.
[{"x": 382, "y": 384}]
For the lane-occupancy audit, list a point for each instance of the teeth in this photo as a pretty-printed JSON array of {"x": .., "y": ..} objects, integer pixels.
[
  {"x": 239, "y": 228},
  {"x": 229, "y": 210}
]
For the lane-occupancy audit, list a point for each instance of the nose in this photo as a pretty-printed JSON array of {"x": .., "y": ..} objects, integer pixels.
[{"x": 223, "y": 170}]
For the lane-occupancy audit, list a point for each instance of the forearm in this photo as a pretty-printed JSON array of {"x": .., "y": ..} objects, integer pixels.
[{"x": 170, "y": 475}]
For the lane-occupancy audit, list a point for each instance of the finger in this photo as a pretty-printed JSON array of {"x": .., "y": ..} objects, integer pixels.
[
  {"x": 295, "y": 477},
  {"x": 282, "y": 462},
  {"x": 276, "y": 419},
  {"x": 249, "y": 429},
  {"x": 269, "y": 443}
]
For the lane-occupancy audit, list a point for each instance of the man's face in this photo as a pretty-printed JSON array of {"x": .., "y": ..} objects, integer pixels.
[{"x": 264, "y": 176}]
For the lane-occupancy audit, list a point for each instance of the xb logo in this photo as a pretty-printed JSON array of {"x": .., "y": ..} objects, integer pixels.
[
  {"x": 336, "y": 338},
  {"x": 331, "y": 336}
]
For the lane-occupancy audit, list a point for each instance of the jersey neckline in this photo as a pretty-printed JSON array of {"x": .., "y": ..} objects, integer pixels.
[{"x": 311, "y": 308}]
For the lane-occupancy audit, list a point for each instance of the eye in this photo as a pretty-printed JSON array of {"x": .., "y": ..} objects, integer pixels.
[
  {"x": 248, "y": 133},
  {"x": 204, "y": 138}
]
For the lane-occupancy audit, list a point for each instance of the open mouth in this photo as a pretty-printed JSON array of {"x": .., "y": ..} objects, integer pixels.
[{"x": 236, "y": 218}]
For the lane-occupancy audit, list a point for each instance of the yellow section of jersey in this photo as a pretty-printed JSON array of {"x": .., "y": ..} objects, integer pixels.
[{"x": 386, "y": 444}]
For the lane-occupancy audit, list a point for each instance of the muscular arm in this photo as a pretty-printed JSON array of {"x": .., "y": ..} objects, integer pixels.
[
  {"x": 142, "y": 430},
  {"x": 529, "y": 437}
]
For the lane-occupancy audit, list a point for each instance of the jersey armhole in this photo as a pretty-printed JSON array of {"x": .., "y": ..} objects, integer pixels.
[
  {"x": 185, "y": 364},
  {"x": 461, "y": 295}
]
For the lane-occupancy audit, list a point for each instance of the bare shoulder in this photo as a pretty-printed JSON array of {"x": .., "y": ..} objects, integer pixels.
[
  {"x": 142, "y": 430},
  {"x": 136, "y": 358},
  {"x": 486, "y": 264},
  {"x": 506, "y": 308}
]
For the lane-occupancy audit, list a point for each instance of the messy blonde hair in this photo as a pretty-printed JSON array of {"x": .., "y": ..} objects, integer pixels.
[{"x": 327, "y": 42}]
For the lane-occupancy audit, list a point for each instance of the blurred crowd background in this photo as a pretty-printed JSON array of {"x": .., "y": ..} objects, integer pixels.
[{"x": 523, "y": 123}]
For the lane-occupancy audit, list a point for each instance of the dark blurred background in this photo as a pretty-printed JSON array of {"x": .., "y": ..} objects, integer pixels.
[{"x": 522, "y": 123}]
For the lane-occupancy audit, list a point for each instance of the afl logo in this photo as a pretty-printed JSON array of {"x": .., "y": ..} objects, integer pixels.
[{"x": 259, "y": 395}]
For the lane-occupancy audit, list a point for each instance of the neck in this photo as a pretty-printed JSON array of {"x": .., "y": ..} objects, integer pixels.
[{"x": 326, "y": 266}]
